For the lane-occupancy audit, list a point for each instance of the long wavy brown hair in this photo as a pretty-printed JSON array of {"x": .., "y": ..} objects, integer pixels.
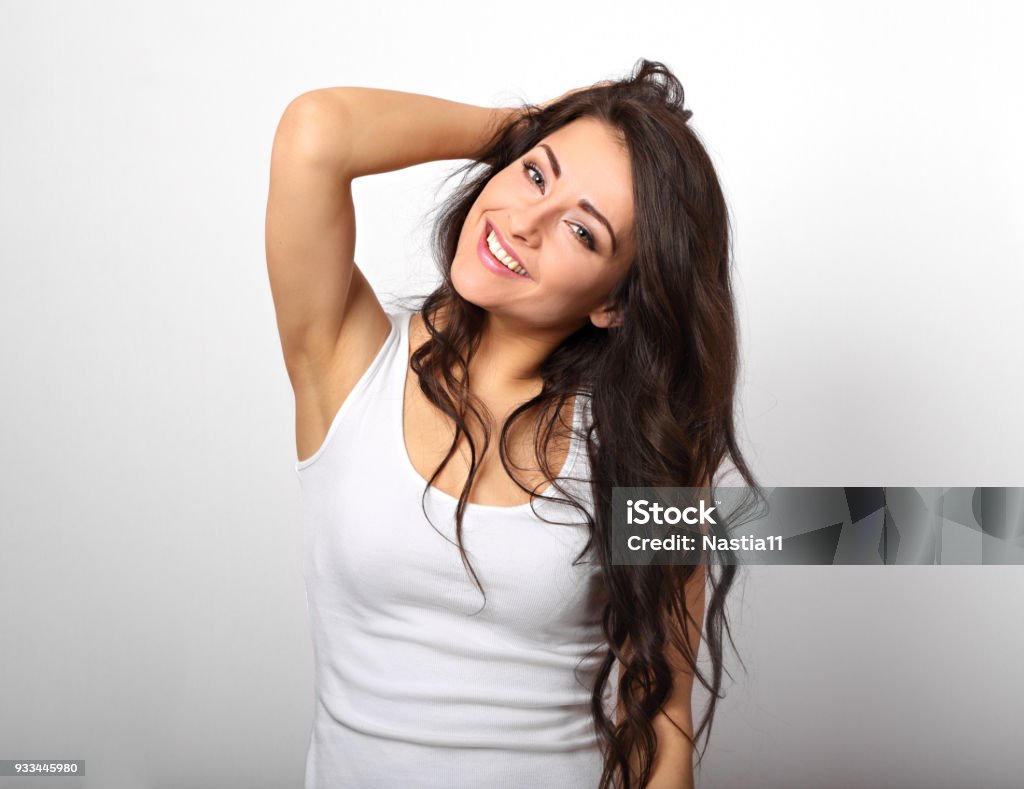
[{"x": 661, "y": 387}]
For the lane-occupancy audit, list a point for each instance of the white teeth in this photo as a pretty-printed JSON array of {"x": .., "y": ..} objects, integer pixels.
[{"x": 503, "y": 256}]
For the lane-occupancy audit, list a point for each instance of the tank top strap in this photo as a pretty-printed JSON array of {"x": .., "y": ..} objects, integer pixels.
[
  {"x": 401, "y": 320},
  {"x": 399, "y": 365}
]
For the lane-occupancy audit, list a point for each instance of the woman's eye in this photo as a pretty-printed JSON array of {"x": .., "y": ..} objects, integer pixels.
[
  {"x": 586, "y": 238},
  {"x": 531, "y": 170}
]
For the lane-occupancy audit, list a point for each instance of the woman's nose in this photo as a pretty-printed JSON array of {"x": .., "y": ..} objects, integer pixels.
[{"x": 525, "y": 223}]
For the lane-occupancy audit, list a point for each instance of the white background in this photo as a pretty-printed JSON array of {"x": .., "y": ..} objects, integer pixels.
[{"x": 151, "y": 604}]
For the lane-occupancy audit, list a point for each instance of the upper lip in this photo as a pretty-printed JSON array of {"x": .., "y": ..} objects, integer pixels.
[{"x": 505, "y": 245}]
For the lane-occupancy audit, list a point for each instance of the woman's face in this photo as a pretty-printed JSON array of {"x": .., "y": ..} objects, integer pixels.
[{"x": 563, "y": 212}]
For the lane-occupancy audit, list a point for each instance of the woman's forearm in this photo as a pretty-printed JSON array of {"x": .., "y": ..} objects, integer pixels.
[
  {"x": 363, "y": 131},
  {"x": 673, "y": 760}
]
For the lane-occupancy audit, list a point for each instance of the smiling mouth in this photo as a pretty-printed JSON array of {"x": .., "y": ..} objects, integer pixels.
[{"x": 499, "y": 253}]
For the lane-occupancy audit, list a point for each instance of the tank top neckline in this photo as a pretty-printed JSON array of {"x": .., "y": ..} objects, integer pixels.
[{"x": 404, "y": 342}]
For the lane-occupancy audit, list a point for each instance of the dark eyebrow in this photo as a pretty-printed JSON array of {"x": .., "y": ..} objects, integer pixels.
[{"x": 586, "y": 205}]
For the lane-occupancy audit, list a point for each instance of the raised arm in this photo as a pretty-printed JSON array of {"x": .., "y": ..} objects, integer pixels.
[
  {"x": 330, "y": 322},
  {"x": 369, "y": 130}
]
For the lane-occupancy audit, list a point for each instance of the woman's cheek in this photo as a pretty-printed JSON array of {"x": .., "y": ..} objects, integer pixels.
[{"x": 576, "y": 284}]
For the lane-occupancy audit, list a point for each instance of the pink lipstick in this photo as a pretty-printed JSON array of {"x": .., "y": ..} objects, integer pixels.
[{"x": 483, "y": 251}]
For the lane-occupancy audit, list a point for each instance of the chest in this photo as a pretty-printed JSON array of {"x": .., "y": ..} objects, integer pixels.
[
  {"x": 428, "y": 436},
  {"x": 398, "y": 557}
]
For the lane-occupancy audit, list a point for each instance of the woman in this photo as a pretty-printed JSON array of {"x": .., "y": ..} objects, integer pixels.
[{"x": 469, "y": 626}]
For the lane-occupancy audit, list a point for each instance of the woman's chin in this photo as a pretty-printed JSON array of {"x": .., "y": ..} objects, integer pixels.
[{"x": 476, "y": 288}]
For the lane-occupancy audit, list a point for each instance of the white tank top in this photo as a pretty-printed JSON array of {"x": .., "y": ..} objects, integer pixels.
[{"x": 418, "y": 683}]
